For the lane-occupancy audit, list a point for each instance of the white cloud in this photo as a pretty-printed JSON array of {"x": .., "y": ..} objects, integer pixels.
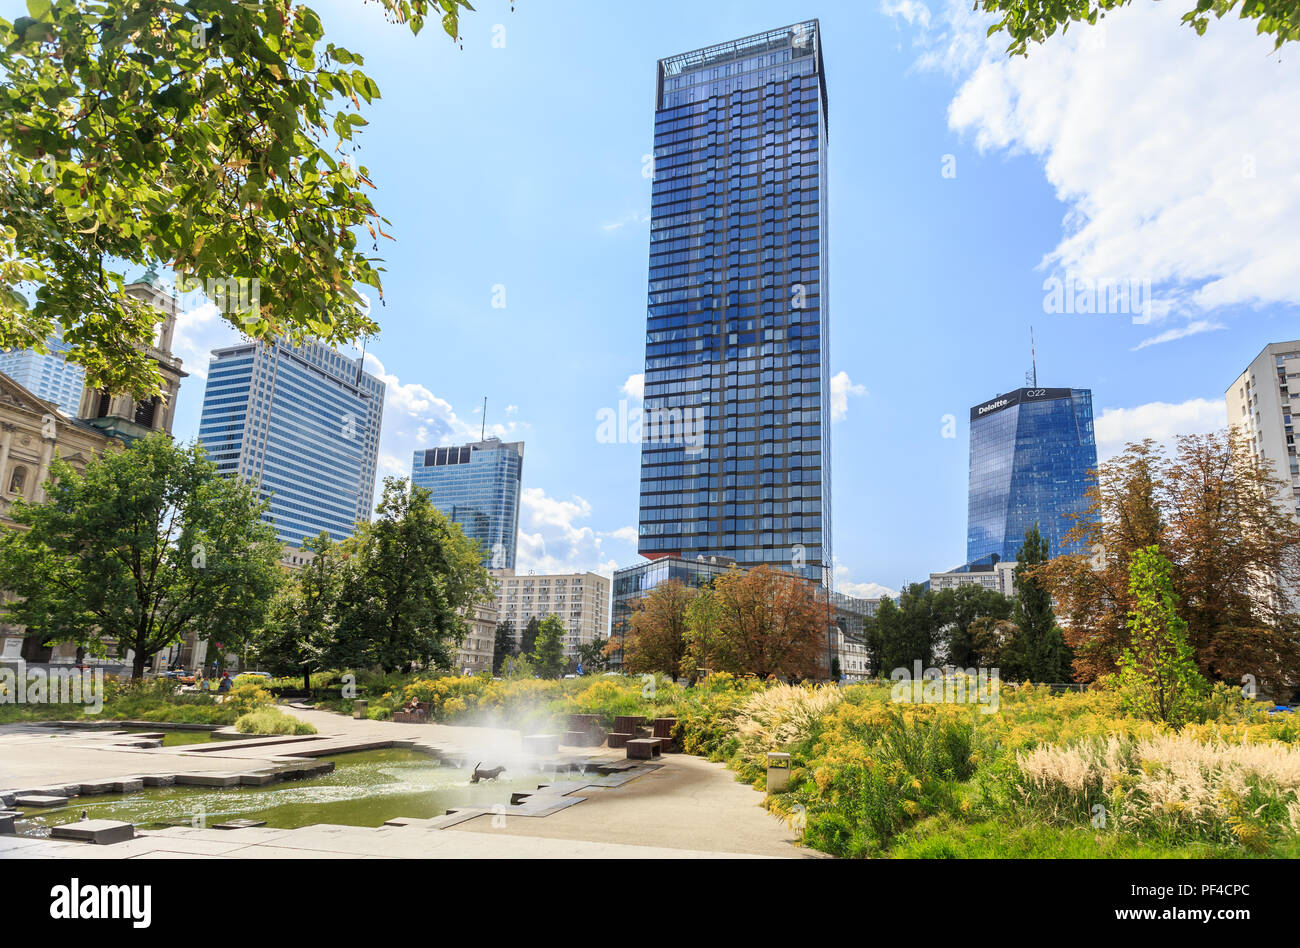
[
  {"x": 631, "y": 218},
  {"x": 1180, "y": 332},
  {"x": 553, "y": 539},
  {"x": 1167, "y": 147},
  {"x": 841, "y": 388},
  {"x": 198, "y": 331},
  {"x": 634, "y": 387},
  {"x": 1161, "y": 421},
  {"x": 860, "y": 590}
]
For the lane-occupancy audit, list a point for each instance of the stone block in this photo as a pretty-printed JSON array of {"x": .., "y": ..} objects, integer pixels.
[
  {"x": 41, "y": 799},
  {"x": 208, "y": 780},
  {"x": 100, "y": 832}
]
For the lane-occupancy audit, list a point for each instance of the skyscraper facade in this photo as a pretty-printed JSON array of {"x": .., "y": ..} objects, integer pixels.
[
  {"x": 477, "y": 485},
  {"x": 735, "y": 457},
  {"x": 301, "y": 423},
  {"x": 1030, "y": 454},
  {"x": 47, "y": 375}
]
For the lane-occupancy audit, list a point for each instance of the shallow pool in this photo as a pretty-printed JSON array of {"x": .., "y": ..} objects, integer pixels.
[{"x": 366, "y": 789}]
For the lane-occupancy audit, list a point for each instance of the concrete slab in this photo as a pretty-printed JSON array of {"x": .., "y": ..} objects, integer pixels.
[
  {"x": 99, "y": 832},
  {"x": 41, "y": 799},
  {"x": 208, "y": 780}
]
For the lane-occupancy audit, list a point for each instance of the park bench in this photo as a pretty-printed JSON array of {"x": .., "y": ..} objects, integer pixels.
[
  {"x": 419, "y": 716},
  {"x": 662, "y": 730}
]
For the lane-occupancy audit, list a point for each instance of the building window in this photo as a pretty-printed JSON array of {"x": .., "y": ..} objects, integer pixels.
[{"x": 18, "y": 481}]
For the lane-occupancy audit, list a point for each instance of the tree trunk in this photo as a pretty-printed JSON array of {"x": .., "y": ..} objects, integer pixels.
[
  {"x": 137, "y": 665},
  {"x": 306, "y": 679}
]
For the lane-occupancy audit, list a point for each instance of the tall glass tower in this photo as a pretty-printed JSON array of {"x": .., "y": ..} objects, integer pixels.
[
  {"x": 1030, "y": 454},
  {"x": 477, "y": 485},
  {"x": 735, "y": 457},
  {"x": 301, "y": 423},
  {"x": 47, "y": 375}
]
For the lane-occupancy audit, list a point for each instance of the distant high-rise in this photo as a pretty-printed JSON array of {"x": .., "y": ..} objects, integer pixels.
[
  {"x": 735, "y": 457},
  {"x": 301, "y": 423},
  {"x": 477, "y": 485},
  {"x": 1030, "y": 454},
  {"x": 47, "y": 375},
  {"x": 1259, "y": 407}
]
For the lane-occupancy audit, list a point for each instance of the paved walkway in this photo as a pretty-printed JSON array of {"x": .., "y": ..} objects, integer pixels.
[{"x": 688, "y": 808}]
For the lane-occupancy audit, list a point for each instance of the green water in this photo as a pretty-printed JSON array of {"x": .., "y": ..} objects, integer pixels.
[{"x": 365, "y": 789}]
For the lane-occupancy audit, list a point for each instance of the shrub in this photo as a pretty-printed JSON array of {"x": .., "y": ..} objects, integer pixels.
[{"x": 271, "y": 720}]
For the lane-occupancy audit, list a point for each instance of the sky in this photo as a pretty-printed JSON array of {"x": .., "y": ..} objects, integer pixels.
[{"x": 961, "y": 183}]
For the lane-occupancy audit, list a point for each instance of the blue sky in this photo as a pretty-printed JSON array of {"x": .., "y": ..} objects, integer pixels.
[{"x": 521, "y": 167}]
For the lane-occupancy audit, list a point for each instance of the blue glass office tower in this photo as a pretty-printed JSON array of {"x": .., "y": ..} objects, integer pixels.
[
  {"x": 735, "y": 457},
  {"x": 1030, "y": 454},
  {"x": 477, "y": 485},
  {"x": 301, "y": 423},
  {"x": 47, "y": 375}
]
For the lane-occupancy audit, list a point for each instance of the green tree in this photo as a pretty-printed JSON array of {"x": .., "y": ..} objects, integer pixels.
[
  {"x": 195, "y": 136},
  {"x": 1158, "y": 674},
  {"x": 146, "y": 546},
  {"x": 528, "y": 641},
  {"x": 905, "y": 631},
  {"x": 1026, "y": 21},
  {"x": 1037, "y": 650},
  {"x": 301, "y": 632},
  {"x": 961, "y": 608},
  {"x": 504, "y": 645},
  {"x": 412, "y": 579},
  {"x": 548, "y": 654},
  {"x": 592, "y": 655}
]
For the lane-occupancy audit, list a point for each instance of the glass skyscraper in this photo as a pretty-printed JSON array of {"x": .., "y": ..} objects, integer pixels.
[
  {"x": 47, "y": 375},
  {"x": 1030, "y": 454},
  {"x": 301, "y": 423},
  {"x": 477, "y": 485},
  {"x": 735, "y": 457}
]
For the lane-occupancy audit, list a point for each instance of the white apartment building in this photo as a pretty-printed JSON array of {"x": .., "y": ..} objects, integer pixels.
[
  {"x": 475, "y": 654},
  {"x": 580, "y": 599},
  {"x": 1259, "y": 407},
  {"x": 999, "y": 577}
]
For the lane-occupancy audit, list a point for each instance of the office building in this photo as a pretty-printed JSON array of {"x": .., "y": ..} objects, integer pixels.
[
  {"x": 633, "y": 583},
  {"x": 581, "y": 600},
  {"x": 1259, "y": 408},
  {"x": 48, "y": 376},
  {"x": 300, "y": 423},
  {"x": 735, "y": 458},
  {"x": 477, "y": 485},
  {"x": 474, "y": 656},
  {"x": 1031, "y": 452},
  {"x": 988, "y": 572}
]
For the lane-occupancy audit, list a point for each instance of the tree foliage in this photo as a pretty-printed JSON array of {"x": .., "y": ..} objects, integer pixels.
[
  {"x": 1219, "y": 516},
  {"x": 1033, "y": 21},
  {"x": 301, "y": 631},
  {"x": 208, "y": 136},
  {"x": 1158, "y": 675},
  {"x": 144, "y": 547},
  {"x": 657, "y": 641},
  {"x": 412, "y": 579},
  {"x": 1037, "y": 650},
  {"x": 503, "y": 645},
  {"x": 767, "y": 622},
  {"x": 548, "y": 652}
]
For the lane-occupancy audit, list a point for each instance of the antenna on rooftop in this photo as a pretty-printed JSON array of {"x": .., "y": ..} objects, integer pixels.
[
  {"x": 1031, "y": 377},
  {"x": 483, "y": 432}
]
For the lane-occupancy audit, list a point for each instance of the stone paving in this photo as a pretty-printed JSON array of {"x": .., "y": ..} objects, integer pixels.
[{"x": 674, "y": 807}]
